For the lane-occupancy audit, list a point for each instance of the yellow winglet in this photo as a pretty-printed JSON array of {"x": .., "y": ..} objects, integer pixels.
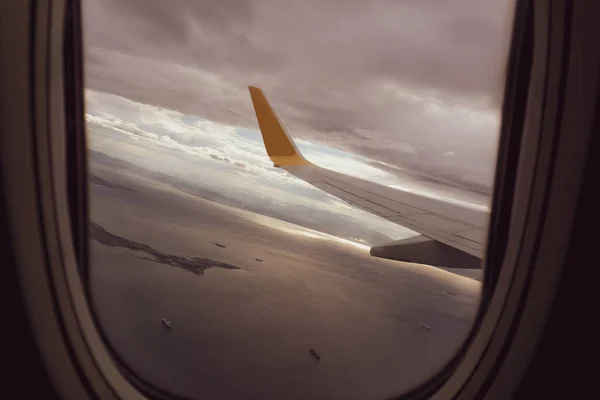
[{"x": 280, "y": 147}]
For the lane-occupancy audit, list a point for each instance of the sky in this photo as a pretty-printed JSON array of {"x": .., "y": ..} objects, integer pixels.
[
  {"x": 403, "y": 93},
  {"x": 414, "y": 86}
]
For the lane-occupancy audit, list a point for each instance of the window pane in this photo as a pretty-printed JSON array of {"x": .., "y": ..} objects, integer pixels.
[{"x": 214, "y": 273}]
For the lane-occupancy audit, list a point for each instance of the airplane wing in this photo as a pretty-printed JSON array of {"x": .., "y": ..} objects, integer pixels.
[{"x": 451, "y": 236}]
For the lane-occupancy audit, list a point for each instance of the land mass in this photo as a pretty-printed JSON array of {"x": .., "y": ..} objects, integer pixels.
[{"x": 196, "y": 265}]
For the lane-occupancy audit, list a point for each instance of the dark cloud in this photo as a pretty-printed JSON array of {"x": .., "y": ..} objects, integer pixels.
[{"x": 366, "y": 76}]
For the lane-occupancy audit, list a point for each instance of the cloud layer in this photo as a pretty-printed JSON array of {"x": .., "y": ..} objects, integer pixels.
[
  {"x": 225, "y": 164},
  {"x": 414, "y": 84}
]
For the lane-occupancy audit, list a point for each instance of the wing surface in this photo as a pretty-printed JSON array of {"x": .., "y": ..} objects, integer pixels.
[{"x": 458, "y": 227}]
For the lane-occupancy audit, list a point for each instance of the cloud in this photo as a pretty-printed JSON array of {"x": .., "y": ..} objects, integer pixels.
[
  {"x": 394, "y": 81},
  {"x": 256, "y": 190},
  {"x": 190, "y": 148},
  {"x": 192, "y": 136}
]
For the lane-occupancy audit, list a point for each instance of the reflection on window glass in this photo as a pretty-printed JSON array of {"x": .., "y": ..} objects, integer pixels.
[{"x": 215, "y": 273}]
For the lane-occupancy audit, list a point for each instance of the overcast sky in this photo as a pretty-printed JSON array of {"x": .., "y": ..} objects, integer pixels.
[{"x": 415, "y": 84}]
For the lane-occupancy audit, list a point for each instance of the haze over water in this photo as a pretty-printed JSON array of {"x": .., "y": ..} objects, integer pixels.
[{"x": 380, "y": 326}]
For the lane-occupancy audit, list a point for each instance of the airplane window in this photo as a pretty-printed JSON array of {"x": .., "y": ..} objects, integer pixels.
[{"x": 290, "y": 199}]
